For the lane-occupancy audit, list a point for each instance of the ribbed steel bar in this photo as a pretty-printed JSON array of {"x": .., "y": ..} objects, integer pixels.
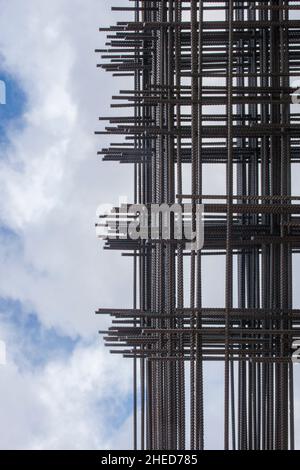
[{"x": 212, "y": 87}]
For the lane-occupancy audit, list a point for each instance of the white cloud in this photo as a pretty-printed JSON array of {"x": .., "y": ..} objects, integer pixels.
[
  {"x": 52, "y": 181},
  {"x": 51, "y": 184},
  {"x": 71, "y": 403}
]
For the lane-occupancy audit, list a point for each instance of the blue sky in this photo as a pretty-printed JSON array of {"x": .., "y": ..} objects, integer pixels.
[{"x": 16, "y": 102}]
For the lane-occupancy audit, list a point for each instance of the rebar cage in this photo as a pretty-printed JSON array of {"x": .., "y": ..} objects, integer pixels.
[{"x": 212, "y": 86}]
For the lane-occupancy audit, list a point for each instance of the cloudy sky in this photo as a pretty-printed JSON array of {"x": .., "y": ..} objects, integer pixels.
[
  {"x": 60, "y": 389},
  {"x": 57, "y": 389}
]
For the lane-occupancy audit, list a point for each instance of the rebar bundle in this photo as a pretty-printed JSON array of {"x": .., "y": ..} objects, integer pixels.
[{"x": 212, "y": 85}]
